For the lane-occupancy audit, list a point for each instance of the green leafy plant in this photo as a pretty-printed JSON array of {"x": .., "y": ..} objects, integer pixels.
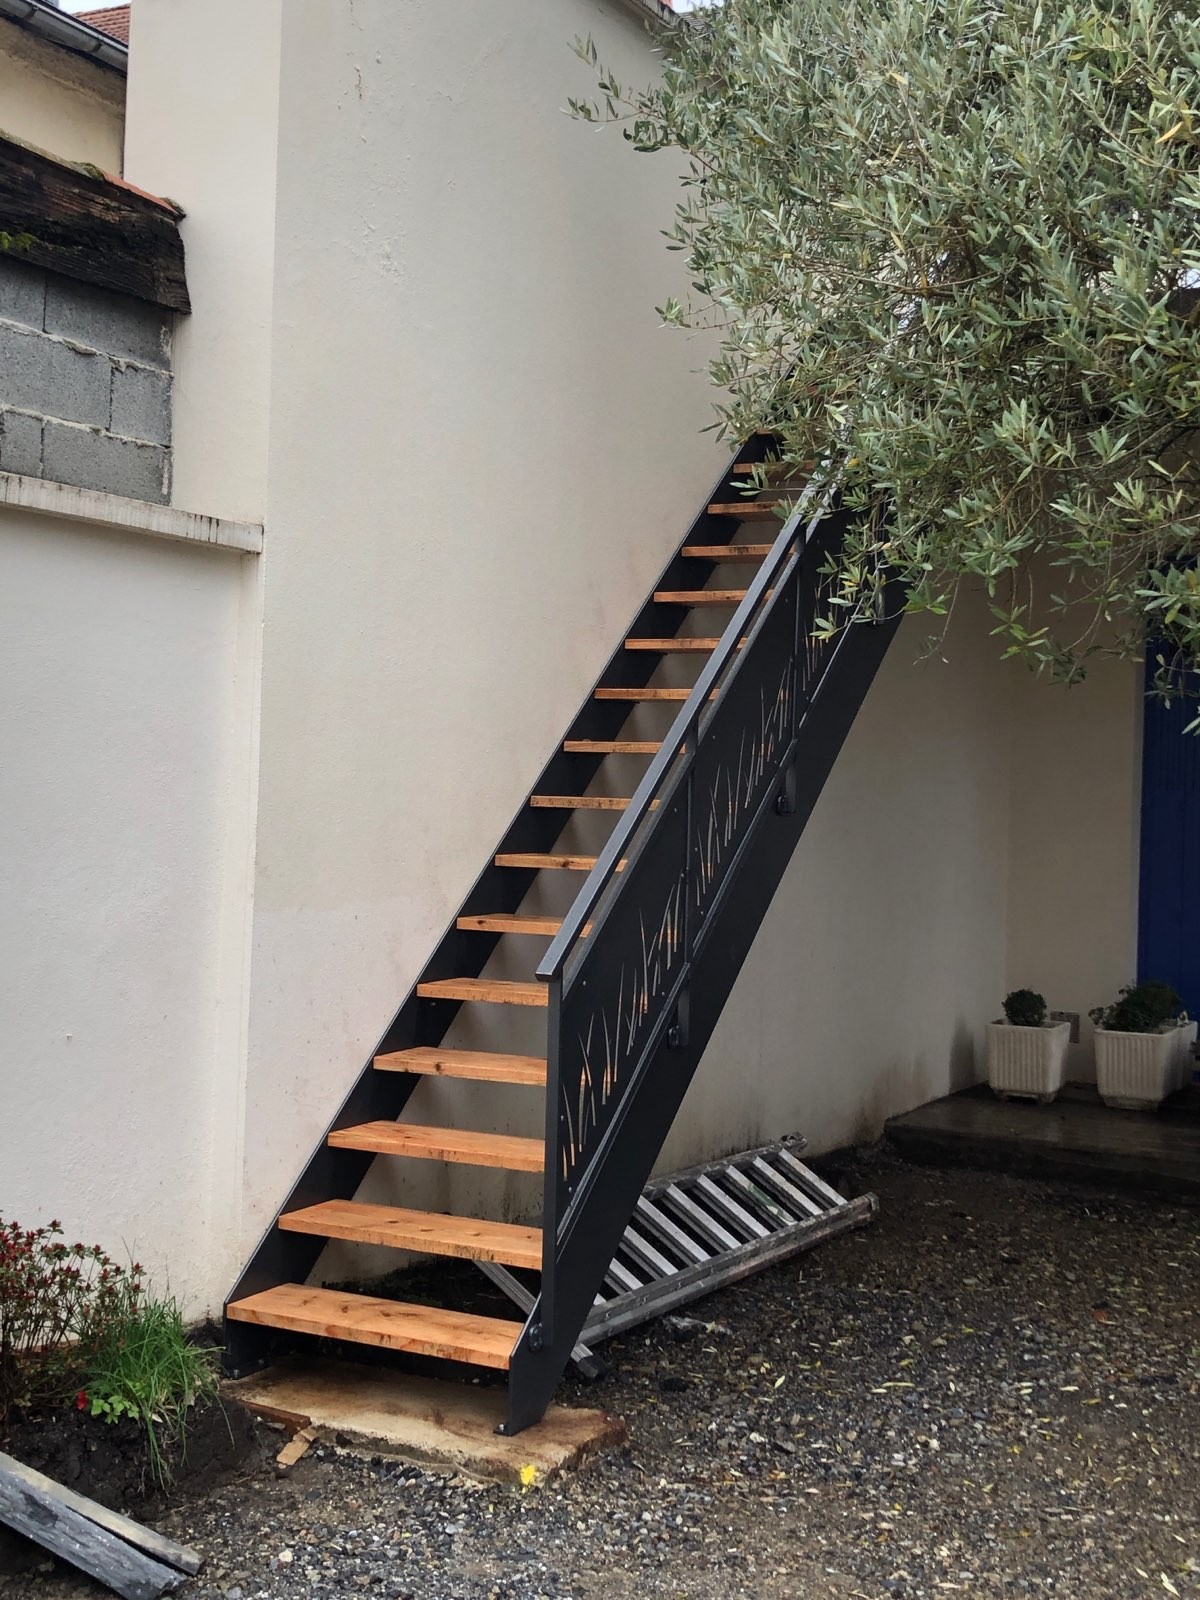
[
  {"x": 54, "y": 1300},
  {"x": 950, "y": 251},
  {"x": 1025, "y": 1008},
  {"x": 143, "y": 1365},
  {"x": 1139, "y": 1008}
]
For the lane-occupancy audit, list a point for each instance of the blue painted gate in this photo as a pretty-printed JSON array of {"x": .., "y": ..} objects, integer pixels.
[{"x": 1169, "y": 898}]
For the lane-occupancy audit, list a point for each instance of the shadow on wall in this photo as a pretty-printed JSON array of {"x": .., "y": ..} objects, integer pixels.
[{"x": 904, "y": 1084}]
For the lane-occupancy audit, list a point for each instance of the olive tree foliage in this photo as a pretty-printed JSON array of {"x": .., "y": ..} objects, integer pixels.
[{"x": 950, "y": 249}]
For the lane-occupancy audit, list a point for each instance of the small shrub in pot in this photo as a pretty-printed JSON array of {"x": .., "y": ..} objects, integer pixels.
[
  {"x": 1026, "y": 1054},
  {"x": 1025, "y": 1008},
  {"x": 1143, "y": 1046}
]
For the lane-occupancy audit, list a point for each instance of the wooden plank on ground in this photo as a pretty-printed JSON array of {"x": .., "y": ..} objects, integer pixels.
[
  {"x": 154, "y": 1544},
  {"x": 44, "y": 1515}
]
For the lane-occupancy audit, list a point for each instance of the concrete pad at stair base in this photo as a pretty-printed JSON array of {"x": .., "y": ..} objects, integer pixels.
[{"x": 447, "y": 1426}]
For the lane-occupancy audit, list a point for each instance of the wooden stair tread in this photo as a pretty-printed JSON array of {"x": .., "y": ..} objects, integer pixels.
[
  {"x": 578, "y": 802},
  {"x": 727, "y": 552},
  {"x": 389, "y": 1324},
  {"x": 509, "y": 922},
  {"x": 668, "y": 646},
  {"x": 435, "y": 1233},
  {"x": 538, "y": 859},
  {"x": 472, "y": 1149},
  {"x": 747, "y": 510},
  {"x": 494, "y": 990},
  {"x": 642, "y": 694},
  {"x": 612, "y": 747},
  {"x": 699, "y": 597},
  {"x": 484, "y": 1066}
]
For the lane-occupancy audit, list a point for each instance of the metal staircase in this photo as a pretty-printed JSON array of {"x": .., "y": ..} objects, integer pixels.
[{"x": 635, "y": 975}]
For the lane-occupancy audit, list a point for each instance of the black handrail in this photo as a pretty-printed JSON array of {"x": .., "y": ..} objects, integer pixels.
[{"x": 554, "y": 961}]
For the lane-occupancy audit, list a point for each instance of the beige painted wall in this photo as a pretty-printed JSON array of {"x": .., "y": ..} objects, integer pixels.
[
  {"x": 1074, "y": 798},
  {"x": 62, "y": 102},
  {"x": 119, "y": 710}
]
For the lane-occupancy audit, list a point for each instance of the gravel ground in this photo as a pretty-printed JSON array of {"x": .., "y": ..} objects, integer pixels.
[{"x": 994, "y": 1389}]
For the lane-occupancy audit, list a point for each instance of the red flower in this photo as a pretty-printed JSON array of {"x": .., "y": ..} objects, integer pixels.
[{"x": 81, "y": 1400}]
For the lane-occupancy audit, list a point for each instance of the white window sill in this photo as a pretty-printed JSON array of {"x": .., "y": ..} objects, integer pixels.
[{"x": 129, "y": 516}]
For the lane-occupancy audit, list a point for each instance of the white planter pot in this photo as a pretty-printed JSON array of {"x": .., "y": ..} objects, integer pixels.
[
  {"x": 1030, "y": 1062},
  {"x": 1137, "y": 1071},
  {"x": 1186, "y": 1035}
]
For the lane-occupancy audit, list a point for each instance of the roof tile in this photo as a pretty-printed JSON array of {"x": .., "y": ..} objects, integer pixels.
[{"x": 112, "y": 20}]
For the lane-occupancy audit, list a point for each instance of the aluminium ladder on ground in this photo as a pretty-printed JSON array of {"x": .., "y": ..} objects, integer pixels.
[{"x": 699, "y": 1230}]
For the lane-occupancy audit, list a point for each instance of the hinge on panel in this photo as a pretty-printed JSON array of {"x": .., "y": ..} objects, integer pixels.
[{"x": 677, "y": 1033}]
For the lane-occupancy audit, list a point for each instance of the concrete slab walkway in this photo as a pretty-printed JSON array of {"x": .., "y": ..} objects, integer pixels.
[{"x": 1077, "y": 1136}]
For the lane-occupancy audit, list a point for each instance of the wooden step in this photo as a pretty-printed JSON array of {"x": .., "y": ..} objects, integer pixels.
[
  {"x": 748, "y": 510},
  {"x": 483, "y": 1066},
  {"x": 699, "y": 597},
  {"x": 505, "y": 1150},
  {"x": 642, "y": 694},
  {"x": 727, "y": 552},
  {"x": 665, "y": 647},
  {"x": 578, "y": 802},
  {"x": 389, "y": 1324},
  {"x": 467, "y": 1238},
  {"x": 539, "y": 859},
  {"x": 510, "y": 922},
  {"x": 494, "y": 991},
  {"x": 612, "y": 747},
  {"x": 745, "y": 468}
]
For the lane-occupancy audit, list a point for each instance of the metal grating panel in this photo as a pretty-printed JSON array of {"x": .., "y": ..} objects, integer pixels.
[{"x": 699, "y": 1230}]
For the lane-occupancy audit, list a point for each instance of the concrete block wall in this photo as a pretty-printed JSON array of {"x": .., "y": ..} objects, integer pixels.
[{"x": 85, "y": 384}]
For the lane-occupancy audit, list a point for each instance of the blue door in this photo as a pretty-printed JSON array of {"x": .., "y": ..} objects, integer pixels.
[{"x": 1169, "y": 899}]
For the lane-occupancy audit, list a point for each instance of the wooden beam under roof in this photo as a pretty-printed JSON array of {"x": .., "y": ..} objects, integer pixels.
[{"x": 71, "y": 218}]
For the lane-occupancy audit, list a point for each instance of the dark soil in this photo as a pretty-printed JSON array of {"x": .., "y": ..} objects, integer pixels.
[
  {"x": 994, "y": 1391},
  {"x": 109, "y": 1461}
]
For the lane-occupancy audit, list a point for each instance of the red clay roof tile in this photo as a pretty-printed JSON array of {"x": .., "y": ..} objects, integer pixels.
[{"x": 113, "y": 20}]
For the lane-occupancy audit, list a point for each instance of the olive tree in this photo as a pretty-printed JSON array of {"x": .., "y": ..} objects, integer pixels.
[{"x": 949, "y": 247}]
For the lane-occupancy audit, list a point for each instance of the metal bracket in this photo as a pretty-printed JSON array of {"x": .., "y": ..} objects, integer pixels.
[{"x": 785, "y": 800}]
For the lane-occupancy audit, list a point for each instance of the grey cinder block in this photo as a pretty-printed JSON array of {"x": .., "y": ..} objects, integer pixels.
[
  {"x": 20, "y": 444},
  {"x": 97, "y": 461},
  {"x": 22, "y": 292},
  {"x": 40, "y": 374},
  {"x": 141, "y": 404},
  {"x": 114, "y": 323}
]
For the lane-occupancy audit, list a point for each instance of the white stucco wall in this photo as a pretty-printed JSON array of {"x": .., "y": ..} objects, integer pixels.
[
  {"x": 1074, "y": 797},
  {"x": 72, "y": 107},
  {"x": 119, "y": 709},
  {"x": 202, "y": 127},
  {"x": 481, "y": 448},
  {"x": 884, "y": 949}
]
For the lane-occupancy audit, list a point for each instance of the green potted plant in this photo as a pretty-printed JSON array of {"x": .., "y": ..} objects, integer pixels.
[
  {"x": 1143, "y": 1046},
  {"x": 1027, "y": 1053}
]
